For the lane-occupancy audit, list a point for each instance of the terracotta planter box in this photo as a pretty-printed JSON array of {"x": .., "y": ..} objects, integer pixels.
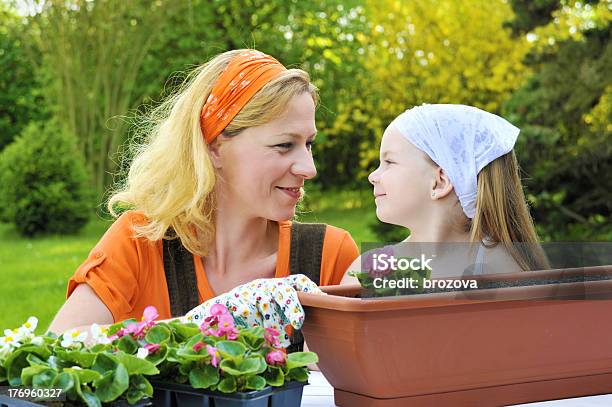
[{"x": 485, "y": 347}]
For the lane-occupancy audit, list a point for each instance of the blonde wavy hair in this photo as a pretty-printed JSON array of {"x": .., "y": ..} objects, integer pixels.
[
  {"x": 502, "y": 215},
  {"x": 171, "y": 180}
]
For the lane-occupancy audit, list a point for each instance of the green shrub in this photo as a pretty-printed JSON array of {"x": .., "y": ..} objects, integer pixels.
[
  {"x": 387, "y": 233},
  {"x": 43, "y": 182}
]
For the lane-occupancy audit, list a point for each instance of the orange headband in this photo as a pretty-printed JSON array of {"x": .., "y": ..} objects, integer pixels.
[{"x": 246, "y": 74}]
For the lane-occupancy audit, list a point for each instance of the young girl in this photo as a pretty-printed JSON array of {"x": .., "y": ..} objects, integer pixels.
[{"x": 449, "y": 174}]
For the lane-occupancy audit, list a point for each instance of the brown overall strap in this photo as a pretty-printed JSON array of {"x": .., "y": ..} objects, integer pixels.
[
  {"x": 180, "y": 277},
  {"x": 305, "y": 258},
  {"x": 306, "y": 251}
]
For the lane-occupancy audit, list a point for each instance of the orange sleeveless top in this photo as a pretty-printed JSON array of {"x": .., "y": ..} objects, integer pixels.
[{"x": 127, "y": 273}]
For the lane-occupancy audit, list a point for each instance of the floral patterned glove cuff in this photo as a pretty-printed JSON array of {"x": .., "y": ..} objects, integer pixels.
[{"x": 271, "y": 303}]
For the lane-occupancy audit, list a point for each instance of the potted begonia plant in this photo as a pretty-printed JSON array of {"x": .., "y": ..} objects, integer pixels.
[
  {"x": 169, "y": 363},
  {"x": 521, "y": 337}
]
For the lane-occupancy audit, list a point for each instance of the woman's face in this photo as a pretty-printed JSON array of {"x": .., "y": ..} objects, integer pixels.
[
  {"x": 262, "y": 170},
  {"x": 402, "y": 182}
]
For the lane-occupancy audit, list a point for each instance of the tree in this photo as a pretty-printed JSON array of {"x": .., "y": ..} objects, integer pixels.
[
  {"x": 20, "y": 99},
  {"x": 564, "y": 111},
  {"x": 94, "y": 52}
]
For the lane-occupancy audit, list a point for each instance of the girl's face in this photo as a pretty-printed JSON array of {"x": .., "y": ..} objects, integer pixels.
[
  {"x": 402, "y": 182},
  {"x": 262, "y": 170}
]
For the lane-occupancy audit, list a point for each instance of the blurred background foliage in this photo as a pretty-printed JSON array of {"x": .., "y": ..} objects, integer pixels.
[{"x": 91, "y": 66}]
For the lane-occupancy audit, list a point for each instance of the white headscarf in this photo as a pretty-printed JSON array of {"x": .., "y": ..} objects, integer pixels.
[{"x": 460, "y": 139}]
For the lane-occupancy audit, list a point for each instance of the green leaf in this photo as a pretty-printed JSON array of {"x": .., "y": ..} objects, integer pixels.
[
  {"x": 193, "y": 340},
  {"x": 90, "y": 399},
  {"x": 15, "y": 363},
  {"x": 252, "y": 337},
  {"x": 299, "y": 359},
  {"x": 158, "y": 334},
  {"x": 104, "y": 363},
  {"x": 159, "y": 356},
  {"x": 127, "y": 344},
  {"x": 77, "y": 357},
  {"x": 231, "y": 350},
  {"x": 255, "y": 382},
  {"x": 135, "y": 365},
  {"x": 299, "y": 373},
  {"x": 262, "y": 363},
  {"x": 246, "y": 367},
  {"x": 227, "y": 385},
  {"x": 84, "y": 375},
  {"x": 274, "y": 376},
  {"x": 28, "y": 373},
  {"x": 44, "y": 378},
  {"x": 112, "y": 384},
  {"x": 34, "y": 360},
  {"x": 204, "y": 377},
  {"x": 64, "y": 381},
  {"x": 185, "y": 368},
  {"x": 184, "y": 331},
  {"x": 139, "y": 389},
  {"x": 187, "y": 354},
  {"x": 58, "y": 363},
  {"x": 18, "y": 360}
]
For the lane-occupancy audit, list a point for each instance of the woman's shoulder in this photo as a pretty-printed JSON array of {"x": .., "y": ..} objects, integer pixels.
[
  {"x": 125, "y": 227},
  {"x": 129, "y": 220},
  {"x": 336, "y": 233}
]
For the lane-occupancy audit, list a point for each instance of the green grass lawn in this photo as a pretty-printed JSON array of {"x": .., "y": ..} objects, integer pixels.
[{"x": 34, "y": 272}]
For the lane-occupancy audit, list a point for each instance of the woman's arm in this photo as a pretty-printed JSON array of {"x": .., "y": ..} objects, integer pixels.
[{"x": 80, "y": 310}]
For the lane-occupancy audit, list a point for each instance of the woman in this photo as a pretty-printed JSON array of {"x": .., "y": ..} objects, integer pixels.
[
  {"x": 221, "y": 174},
  {"x": 449, "y": 174}
]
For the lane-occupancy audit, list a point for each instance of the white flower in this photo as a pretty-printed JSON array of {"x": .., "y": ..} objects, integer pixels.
[
  {"x": 99, "y": 334},
  {"x": 9, "y": 340},
  {"x": 142, "y": 353},
  {"x": 16, "y": 334},
  {"x": 38, "y": 341},
  {"x": 27, "y": 329},
  {"x": 30, "y": 325},
  {"x": 73, "y": 337}
]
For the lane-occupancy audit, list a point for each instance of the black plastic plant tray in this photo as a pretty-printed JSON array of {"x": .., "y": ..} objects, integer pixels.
[
  {"x": 180, "y": 395},
  {"x": 6, "y": 401}
]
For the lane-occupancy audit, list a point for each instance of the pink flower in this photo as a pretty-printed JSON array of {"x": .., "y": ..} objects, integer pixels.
[
  {"x": 367, "y": 262},
  {"x": 198, "y": 346},
  {"x": 214, "y": 354},
  {"x": 275, "y": 357},
  {"x": 121, "y": 332},
  {"x": 136, "y": 329},
  {"x": 149, "y": 315},
  {"x": 152, "y": 347},
  {"x": 216, "y": 311},
  {"x": 225, "y": 327},
  {"x": 271, "y": 336}
]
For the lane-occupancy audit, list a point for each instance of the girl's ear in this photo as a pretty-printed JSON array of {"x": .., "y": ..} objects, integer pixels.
[
  {"x": 441, "y": 185},
  {"x": 215, "y": 155}
]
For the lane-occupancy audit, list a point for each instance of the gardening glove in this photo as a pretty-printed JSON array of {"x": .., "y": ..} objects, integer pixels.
[{"x": 266, "y": 302}]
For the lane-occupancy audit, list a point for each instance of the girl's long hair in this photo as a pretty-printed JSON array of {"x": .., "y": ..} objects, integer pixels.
[{"x": 502, "y": 215}]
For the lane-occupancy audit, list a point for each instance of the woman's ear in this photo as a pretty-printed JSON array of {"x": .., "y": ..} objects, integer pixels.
[
  {"x": 441, "y": 185},
  {"x": 215, "y": 154}
]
